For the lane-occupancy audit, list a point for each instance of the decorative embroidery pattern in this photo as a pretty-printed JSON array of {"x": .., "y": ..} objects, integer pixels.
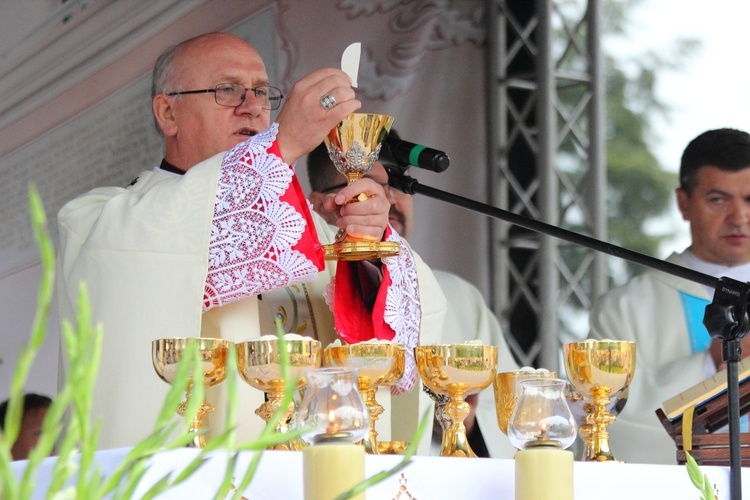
[
  {"x": 253, "y": 231},
  {"x": 402, "y": 310}
]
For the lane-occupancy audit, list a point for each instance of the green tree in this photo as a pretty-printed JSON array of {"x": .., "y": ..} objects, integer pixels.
[{"x": 640, "y": 190}]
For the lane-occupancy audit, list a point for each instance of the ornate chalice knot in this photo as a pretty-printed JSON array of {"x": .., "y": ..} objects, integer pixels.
[
  {"x": 204, "y": 410},
  {"x": 355, "y": 162}
]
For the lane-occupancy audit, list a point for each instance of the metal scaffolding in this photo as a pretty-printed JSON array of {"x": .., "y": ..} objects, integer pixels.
[{"x": 546, "y": 158}]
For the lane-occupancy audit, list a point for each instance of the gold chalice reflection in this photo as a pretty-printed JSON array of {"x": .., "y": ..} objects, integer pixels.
[
  {"x": 166, "y": 353},
  {"x": 377, "y": 364},
  {"x": 259, "y": 364},
  {"x": 353, "y": 146},
  {"x": 456, "y": 370},
  {"x": 507, "y": 390},
  {"x": 599, "y": 370}
]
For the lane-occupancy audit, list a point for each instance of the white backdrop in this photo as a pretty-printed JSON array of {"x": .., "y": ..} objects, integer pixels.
[{"x": 422, "y": 63}]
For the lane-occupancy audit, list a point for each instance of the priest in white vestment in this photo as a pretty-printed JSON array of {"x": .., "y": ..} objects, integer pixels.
[
  {"x": 663, "y": 314},
  {"x": 188, "y": 247}
]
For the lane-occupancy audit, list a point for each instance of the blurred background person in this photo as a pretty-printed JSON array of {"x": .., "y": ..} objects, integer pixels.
[{"x": 35, "y": 408}]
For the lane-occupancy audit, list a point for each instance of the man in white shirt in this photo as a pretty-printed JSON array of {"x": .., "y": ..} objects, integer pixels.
[{"x": 663, "y": 314}]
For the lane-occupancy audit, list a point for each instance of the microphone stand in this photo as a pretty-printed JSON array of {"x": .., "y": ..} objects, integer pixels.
[{"x": 726, "y": 317}]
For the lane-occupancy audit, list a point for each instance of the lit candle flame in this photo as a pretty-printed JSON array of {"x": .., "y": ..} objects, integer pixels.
[
  {"x": 332, "y": 424},
  {"x": 542, "y": 436}
]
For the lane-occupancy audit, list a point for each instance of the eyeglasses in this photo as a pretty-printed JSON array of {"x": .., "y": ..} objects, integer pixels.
[{"x": 233, "y": 94}]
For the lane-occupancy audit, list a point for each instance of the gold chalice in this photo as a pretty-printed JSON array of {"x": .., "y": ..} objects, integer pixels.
[
  {"x": 599, "y": 370},
  {"x": 353, "y": 146},
  {"x": 456, "y": 370},
  {"x": 259, "y": 364},
  {"x": 507, "y": 390},
  {"x": 378, "y": 364},
  {"x": 166, "y": 353}
]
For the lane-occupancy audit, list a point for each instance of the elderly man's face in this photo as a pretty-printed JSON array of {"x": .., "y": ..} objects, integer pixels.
[{"x": 200, "y": 128}]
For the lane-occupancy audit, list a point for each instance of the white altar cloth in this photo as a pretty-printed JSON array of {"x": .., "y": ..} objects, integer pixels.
[{"x": 279, "y": 476}]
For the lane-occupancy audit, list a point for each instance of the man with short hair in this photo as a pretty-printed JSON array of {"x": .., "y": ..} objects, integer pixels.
[
  {"x": 663, "y": 314},
  {"x": 35, "y": 408},
  {"x": 191, "y": 247},
  {"x": 467, "y": 315}
]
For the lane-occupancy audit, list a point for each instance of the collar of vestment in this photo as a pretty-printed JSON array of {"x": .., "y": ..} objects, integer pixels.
[{"x": 165, "y": 165}]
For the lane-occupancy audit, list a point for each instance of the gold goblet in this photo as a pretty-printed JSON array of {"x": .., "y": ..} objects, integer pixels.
[
  {"x": 166, "y": 353},
  {"x": 581, "y": 407},
  {"x": 378, "y": 364},
  {"x": 259, "y": 364},
  {"x": 353, "y": 146},
  {"x": 599, "y": 370},
  {"x": 456, "y": 370},
  {"x": 507, "y": 390}
]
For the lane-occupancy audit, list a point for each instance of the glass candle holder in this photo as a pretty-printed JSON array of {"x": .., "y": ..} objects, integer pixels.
[
  {"x": 542, "y": 416},
  {"x": 541, "y": 427},
  {"x": 336, "y": 417},
  {"x": 333, "y": 407}
]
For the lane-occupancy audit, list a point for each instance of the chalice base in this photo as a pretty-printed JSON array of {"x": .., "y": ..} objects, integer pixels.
[
  {"x": 355, "y": 250},
  {"x": 455, "y": 443},
  {"x": 392, "y": 447},
  {"x": 371, "y": 444}
]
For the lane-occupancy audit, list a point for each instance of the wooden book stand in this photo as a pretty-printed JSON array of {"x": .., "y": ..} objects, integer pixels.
[{"x": 705, "y": 445}]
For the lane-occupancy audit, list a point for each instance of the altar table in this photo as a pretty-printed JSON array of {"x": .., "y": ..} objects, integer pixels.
[{"x": 279, "y": 476}]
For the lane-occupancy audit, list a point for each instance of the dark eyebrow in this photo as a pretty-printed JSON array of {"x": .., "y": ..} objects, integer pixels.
[{"x": 715, "y": 191}]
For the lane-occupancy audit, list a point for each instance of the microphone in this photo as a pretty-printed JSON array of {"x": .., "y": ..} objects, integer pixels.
[{"x": 400, "y": 153}]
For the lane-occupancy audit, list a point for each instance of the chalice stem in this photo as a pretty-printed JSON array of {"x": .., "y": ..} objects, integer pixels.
[
  {"x": 600, "y": 419},
  {"x": 370, "y": 441},
  {"x": 269, "y": 409},
  {"x": 586, "y": 432},
  {"x": 455, "y": 442},
  {"x": 196, "y": 424}
]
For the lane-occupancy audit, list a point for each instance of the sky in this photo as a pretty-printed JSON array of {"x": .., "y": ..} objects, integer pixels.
[{"x": 712, "y": 89}]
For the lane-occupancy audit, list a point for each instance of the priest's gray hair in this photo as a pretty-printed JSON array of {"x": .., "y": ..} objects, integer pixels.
[{"x": 163, "y": 74}]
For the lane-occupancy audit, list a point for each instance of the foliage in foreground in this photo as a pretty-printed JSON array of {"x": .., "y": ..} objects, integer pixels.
[
  {"x": 699, "y": 479},
  {"x": 76, "y": 473}
]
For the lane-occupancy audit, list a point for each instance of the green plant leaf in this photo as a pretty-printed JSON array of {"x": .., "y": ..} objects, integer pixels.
[{"x": 699, "y": 480}]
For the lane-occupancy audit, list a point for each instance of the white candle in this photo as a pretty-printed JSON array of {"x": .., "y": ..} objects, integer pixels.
[
  {"x": 544, "y": 473},
  {"x": 331, "y": 469}
]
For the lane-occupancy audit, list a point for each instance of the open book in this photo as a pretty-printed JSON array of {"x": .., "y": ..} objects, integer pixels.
[{"x": 703, "y": 391}]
